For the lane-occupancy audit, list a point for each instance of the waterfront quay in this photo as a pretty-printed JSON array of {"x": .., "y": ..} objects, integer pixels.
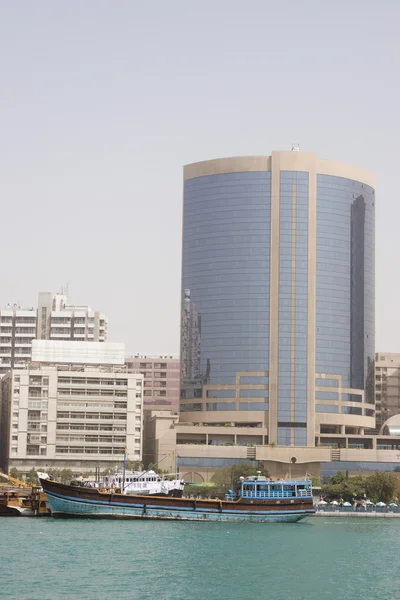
[{"x": 358, "y": 513}]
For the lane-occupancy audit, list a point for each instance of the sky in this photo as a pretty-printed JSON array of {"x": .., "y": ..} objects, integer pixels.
[{"x": 102, "y": 102}]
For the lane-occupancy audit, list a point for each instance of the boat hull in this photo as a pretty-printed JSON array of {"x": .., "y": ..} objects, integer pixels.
[{"x": 69, "y": 503}]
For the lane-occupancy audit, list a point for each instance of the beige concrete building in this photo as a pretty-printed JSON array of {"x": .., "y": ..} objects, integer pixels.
[
  {"x": 187, "y": 447},
  {"x": 70, "y": 416},
  {"x": 387, "y": 386},
  {"x": 161, "y": 378}
]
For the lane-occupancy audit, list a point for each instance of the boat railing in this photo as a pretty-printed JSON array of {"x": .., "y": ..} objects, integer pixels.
[{"x": 277, "y": 494}]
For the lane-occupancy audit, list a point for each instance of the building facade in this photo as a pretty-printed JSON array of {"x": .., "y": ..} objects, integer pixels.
[
  {"x": 277, "y": 327},
  {"x": 17, "y": 330},
  {"x": 54, "y": 319},
  {"x": 58, "y": 320},
  {"x": 387, "y": 386},
  {"x": 78, "y": 416},
  {"x": 161, "y": 379}
]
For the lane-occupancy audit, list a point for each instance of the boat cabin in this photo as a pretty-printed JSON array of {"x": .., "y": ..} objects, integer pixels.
[
  {"x": 269, "y": 489},
  {"x": 139, "y": 477}
]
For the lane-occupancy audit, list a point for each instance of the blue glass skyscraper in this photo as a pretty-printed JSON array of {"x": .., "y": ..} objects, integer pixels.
[{"x": 277, "y": 327}]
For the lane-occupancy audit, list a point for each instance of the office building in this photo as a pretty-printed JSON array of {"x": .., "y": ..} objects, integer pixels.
[
  {"x": 63, "y": 414},
  {"x": 161, "y": 379},
  {"x": 277, "y": 328}
]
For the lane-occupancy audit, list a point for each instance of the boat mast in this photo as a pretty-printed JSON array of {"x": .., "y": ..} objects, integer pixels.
[{"x": 123, "y": 472}]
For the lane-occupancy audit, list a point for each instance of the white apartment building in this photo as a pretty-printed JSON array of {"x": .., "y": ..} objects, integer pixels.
[
  {"x": 58, "y": 320},
  {"x": 54, "y": 319},
  {"x": 17, "y": 330},
  {"x": 77, "y": 416}
]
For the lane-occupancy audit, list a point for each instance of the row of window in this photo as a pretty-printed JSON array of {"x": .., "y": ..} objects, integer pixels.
[
  {"x": 95, "y": 427},
  {"x": 346, "y": 410},
  {"x": 92, "y": 405},
  {"x": 92, "y": 392},
  {"x": 91, "y": 450},
  {"x": 103, "y": 439},
  {"x": 223, "y": 406},
  {"x": 94, "y": 415},
  {"x": 94, "y": 381}
]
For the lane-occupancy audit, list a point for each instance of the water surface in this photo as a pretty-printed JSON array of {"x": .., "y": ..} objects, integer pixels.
[{"x": 317, "y": 559}]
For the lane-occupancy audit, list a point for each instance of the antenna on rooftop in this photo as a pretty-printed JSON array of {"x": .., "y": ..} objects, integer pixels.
[
  {"x": 295, "y": 147},
  {"x": 65, "y": 290}
]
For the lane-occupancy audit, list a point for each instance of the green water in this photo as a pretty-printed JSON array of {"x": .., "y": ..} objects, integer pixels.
[{"x": 318, "y": 559}]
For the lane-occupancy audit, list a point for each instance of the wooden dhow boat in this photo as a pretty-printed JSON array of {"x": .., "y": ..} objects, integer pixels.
[{"x": 256, "y": 499}]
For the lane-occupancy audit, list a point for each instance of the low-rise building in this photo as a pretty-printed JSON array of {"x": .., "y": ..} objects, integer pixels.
[
  {"x": 387, "y": 386},
  {"x": 161, "y": 379},
  {"x": 80, "y": 415},
  {"x": 200, "y": 450}
]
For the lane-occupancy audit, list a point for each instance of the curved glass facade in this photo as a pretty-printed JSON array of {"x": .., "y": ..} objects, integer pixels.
[
  {"x": 345, "y": 306},
  {"x": 277, "y": 295},
  {"x": 225, "y": 279}
]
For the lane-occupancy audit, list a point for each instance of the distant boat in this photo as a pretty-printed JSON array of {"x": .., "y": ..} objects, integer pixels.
[
  {"x": 145, "y": 482},
  {"x": 254, "y": 499}
]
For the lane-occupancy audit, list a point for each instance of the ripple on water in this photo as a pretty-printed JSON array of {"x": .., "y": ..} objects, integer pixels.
[{"x": 45, "y": 559}]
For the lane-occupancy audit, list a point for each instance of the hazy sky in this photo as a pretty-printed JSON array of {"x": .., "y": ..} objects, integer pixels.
[{"x": 103, "y": 101}]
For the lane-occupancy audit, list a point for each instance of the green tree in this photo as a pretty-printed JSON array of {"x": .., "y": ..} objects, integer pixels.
[
  {"x": 316, "y": 480},
  {"x": 32, "y": 477},
  {"x": 228, "y": 476},
  {"x": 382, "y": 487},
  {"x": 339, "y": 478},
  {"x": 342, "y": 487},
  {"x": 66, "y": 475},
  {"x": 134, "y": 465},
  {"x": 204, "y": 491},
  {"x": 55, "y": 473},
  {"x": 15, "y": 473},
  {"x": 156, "y": 469},
  {"x": 107, "y": 472}
]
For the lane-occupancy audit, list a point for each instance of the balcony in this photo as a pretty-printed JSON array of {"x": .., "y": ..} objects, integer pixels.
[
  {"x": 31, "y": 333},
  {"x": 33, "y": 427},
  {"x": 65, "y": 336}
]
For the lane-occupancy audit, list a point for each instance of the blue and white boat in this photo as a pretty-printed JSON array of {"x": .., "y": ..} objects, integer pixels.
[{"x": 255, "y": 499}]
